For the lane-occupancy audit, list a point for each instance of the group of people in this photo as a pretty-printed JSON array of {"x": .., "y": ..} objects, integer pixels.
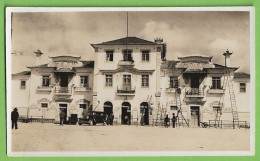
[
  {"x": 109, "y": 119},
  {"x": 167, "y": 121}
]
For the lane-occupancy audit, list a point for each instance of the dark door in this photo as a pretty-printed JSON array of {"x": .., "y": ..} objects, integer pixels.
[
  {"x": 126, "y": 115},
  {"x": 73, "y": 119},
  {"x": 194, "y": 81},
  {"x": 194, "y": 116},
  {"x": 64, "y": 80},
  {"x": 146, "y": 115},
  {"x": 64, "y": 108}
]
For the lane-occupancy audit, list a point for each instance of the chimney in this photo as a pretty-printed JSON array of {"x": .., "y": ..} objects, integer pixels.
[
  {"x": 158, "y": 40},
  {"x": 38, "y": 54},
  {"x": 227, "y": 58}
]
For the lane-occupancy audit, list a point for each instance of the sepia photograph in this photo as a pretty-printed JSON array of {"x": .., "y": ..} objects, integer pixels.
[{"x": 130, "y": 81}]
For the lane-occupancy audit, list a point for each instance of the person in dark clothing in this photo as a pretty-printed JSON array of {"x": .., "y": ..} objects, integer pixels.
[
  {"x": 142, "y": 120},
  {"x": 112, "y": 119},
  {"x": 14, "y": 118},
  {"x": 173, "y": 120},
  {"x": 62, "y": 116},
  {"x": 166, "y": 119}
]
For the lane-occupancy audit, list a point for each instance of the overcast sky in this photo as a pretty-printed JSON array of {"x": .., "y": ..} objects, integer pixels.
[{"x": 186, "y": 33}]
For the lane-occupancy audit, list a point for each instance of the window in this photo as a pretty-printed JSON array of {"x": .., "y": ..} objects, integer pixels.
[
  {"x": 216, "y": 83},
  {"x": 145, "y": 80},
  {"x": 216, "y": 109},
  {"x": 242, "y": 87},
  {"x": 174, "y": 82},
  {"x": 174, "y": 108},
  {"x": 83, "y": 106},
  {"x": 127, "y": 81},
  {"x": 109, "y": 55},
  {"x": 127, "y": 55},
  {"x": 145, "y": 55},
  {"x": 45, "y": 81},
  {"x": 159, "y": 49},
  {"x": 109, "y": 80},
  {"x": 84, "y": 81},
  {"x": 96, "y": 49},
  {"x": 44, "y": 105},
  {"x": 23, "y": 84}
]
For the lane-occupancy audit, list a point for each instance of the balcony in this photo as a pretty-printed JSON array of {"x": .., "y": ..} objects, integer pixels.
[
  {"x": 44, "y": 88},
  {"x": 170, "y": 90},
  {"x": 62, "y": 91},
  {"x": 82, "y": 89},
  {"x": 194, "y": 92},
  {"x": 125, "y": 91},
  {"x": 216, "y": 91},
  {"x": 129, "y": 62}
]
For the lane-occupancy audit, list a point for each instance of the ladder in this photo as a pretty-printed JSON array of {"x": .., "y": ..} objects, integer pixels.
[
  {"x": 178, "y": 105},
  {"x": 233, "y": 102},
  {"x": 228, "y": 82}
]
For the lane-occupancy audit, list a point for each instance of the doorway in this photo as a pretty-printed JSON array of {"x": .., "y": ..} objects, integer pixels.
[
  {"x": 108, "y": 108},
  {"x": 194, "y": 116},
  {"x": 126, "y": 113},
  {"x": 145, "y": 112},
  {"x": 63, "y": 107},
  {"x": 195, "y": 84},
  {"x": 64, "y": 80}
]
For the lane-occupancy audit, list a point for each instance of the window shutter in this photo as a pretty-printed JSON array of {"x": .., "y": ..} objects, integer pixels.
[{"x": 168, "y": 82}]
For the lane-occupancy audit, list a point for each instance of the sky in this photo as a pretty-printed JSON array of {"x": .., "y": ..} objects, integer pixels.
[{"x": 207, "y": 33}]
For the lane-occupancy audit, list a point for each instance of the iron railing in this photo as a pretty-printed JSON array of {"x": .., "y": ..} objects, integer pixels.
[{"x": 125, "y": 90}]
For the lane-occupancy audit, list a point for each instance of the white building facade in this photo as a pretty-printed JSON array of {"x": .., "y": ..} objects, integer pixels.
[{"x": 131, "y": 78}]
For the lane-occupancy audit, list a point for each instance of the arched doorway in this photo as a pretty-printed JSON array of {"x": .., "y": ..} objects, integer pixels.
[
  {"x": 108, "y": 108},
  {"x": 144, "y": 110},
  {"x": 126, "y": 113}
]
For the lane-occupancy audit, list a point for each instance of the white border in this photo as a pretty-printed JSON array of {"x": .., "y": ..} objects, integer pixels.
[{"x": 9, "y": 10}]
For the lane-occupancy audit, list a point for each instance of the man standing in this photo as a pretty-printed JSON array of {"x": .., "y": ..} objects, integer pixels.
[
  {"x": 166, "y": 119},
  {"x": 62, "y": 115},
  {"x": 173, "y": 120},
  {"x": 14, "y": 118}
]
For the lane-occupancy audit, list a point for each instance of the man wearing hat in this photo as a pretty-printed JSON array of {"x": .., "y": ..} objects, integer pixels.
[{"x": 14, "y": 118}]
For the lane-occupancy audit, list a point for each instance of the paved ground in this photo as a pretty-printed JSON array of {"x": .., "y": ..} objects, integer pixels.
[{"x": 52, "y": 137}]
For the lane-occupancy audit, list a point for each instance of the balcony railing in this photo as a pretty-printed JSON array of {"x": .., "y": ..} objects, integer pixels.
[
  {"x": 44, "y": 88},
  {"x": 194, "y": 92},
  {"x": 62, "y": 90},
  {"x": 125, "y": 90},
  {"x": 216, "y": 91},
  {"x": 126, "y": 63},
  {"x": 170, "y": 90},
  {"x": 82, "y": 89}
]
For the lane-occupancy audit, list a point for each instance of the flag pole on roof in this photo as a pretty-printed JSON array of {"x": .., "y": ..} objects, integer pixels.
[{"x": 127, "y": 30}]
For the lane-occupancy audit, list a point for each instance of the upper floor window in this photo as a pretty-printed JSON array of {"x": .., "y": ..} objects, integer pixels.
[
  {"x": 145, "y": 55},
  {"x": 145, "y": 80},
  {"x": 84, "y": 81},
  {"x": 127, "y": 55},
  {"x": 83, "y": 106},
  {"x": 45, "y": 81},
  {"x": 159, "y": 49},
  {"x": 216, "y": 83},
  {"x": 109, "y": 55},
  {"x": 242, "y": 87},
  {"x": 23, "y": 84},
  {"x": 174, "y": 82},
  {"x": 44, "y": 105},
  {"x": 109, "y": 80}
]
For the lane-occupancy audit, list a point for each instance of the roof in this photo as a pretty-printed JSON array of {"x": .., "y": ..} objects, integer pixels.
[
  {"x": 41, "y": 66},
  {"x": 169, "y": 64},
  {"x": 129, "y": 40},
  {"x": 87, "y": 64},
  {"x": 241, "y": 75},
  {"x": 22, "y": 73}
]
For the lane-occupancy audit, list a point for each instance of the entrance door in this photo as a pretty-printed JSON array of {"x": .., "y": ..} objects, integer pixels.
[
  {"x": 145, "y": 112},
  {"x": 63, "y": 107},
  {"x": 126, "y": 113},
  {"x": 195, "y": 116},
  {"x": 64, "y": 80},
  {"x": 108, "y": 108}
]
